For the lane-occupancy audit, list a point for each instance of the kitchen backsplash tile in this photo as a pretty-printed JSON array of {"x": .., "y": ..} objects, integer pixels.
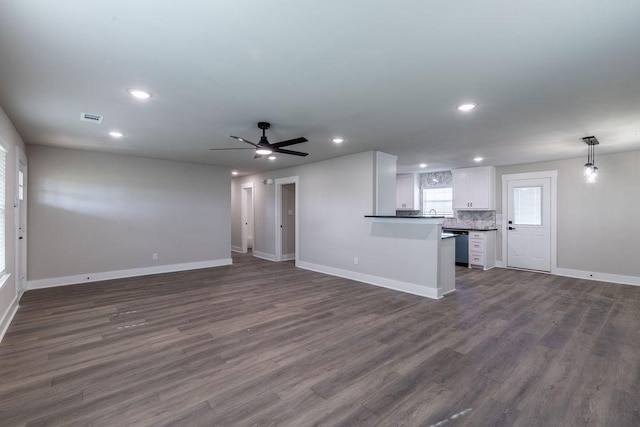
[{"x": 471, "y": 219}]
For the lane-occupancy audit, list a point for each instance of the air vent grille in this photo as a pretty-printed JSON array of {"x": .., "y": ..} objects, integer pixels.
[{"x": 93, "y": 118}]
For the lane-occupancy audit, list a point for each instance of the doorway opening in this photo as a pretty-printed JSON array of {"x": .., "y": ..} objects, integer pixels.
[
  {"x": 286, "y": 233},
  {"x": 529, "y": 226},
  {"x": 247, "y": 208}
]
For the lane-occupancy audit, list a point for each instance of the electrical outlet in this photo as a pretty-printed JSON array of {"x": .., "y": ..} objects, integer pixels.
[
  {"x": 155, "y": 256},
  {"x": 355, "y": 260}
]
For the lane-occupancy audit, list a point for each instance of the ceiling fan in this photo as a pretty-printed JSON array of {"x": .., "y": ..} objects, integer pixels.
[{"x": 264, "y": 148}]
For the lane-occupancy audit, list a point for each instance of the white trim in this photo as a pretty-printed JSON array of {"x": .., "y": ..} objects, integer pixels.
[
  {"x": 264, "y": 255},
  {"x": 601, "y": 277},
  {"x": 288, "y": 257},
  {"x": 244, "y": 214},
  {"x": 8, "y": 316},
  {"x": 120, "y": 274},
  {"x": 396, "y": 285},
  {"x": 278, "y": 207},
  {"x": 236, "y": 249},
  {"x": 4, "y": 280},
  {"x": 20, "y": 209},
  {"x": 553, "y": 176}
]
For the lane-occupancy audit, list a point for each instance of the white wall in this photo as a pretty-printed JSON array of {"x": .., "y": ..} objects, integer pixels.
[
  {"x": 598, "y": 226},
  {"x": 102, "y": 215},
  {"x": 9, "y": 294},
  {"x": 334, "y": 197}
]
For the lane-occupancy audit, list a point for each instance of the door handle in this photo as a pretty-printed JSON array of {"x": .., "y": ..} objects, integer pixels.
[{"x": 512, "y": 228}]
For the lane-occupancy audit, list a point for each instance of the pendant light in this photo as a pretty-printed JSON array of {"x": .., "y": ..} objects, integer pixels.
[{"x": 590, "y": 168}]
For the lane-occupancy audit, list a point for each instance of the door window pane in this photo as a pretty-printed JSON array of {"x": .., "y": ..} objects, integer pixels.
[{"x": 527, "y": 205}]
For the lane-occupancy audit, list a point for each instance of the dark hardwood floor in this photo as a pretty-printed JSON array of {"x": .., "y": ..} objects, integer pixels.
[{"x": 262, "y": 343}]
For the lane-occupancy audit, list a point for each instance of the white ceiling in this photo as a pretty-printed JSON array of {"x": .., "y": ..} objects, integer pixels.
[{"x": 385, "y": 75}]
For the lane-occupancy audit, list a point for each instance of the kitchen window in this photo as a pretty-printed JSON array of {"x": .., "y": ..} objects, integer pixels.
[{"x": 440, "y": 199}]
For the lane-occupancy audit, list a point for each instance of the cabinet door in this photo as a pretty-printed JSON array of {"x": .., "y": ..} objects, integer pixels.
[
  {"x": 461, "y": 184},
  {"x": 406, "y": 192},
  {"x": 479, "y": 188}
]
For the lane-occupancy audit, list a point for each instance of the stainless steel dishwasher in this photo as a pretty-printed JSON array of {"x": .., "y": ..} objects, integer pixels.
[{"x": 462, "y": 245}]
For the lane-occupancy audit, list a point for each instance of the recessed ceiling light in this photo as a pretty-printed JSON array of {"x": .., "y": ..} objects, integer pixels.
[
  {"x": 467, "y": 107},
  {"x": 338, "y": 140},
  {"x": 423, "y": 165},
  {"x": 272, "y": 157},
  {"x": 116, "y": 134},
  {"x": 139, "y": 94},
  {"x": 234, "y": 172},
  {"x": 477, "y": 159}
]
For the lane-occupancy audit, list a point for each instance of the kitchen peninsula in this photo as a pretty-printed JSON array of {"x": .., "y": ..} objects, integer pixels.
[{"x": 417, "y": 258}]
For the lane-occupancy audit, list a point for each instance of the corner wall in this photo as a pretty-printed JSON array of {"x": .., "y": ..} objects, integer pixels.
[
  {"x": 95, "y": 216},
  {"x": 9, "y": 293}
]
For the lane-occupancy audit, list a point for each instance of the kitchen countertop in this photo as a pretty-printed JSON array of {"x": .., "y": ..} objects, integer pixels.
[
  {"x": 403, "y": 216},
  {"x": 468, "y": 229}
]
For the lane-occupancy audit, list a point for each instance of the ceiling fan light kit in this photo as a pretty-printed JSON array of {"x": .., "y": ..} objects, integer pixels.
[{"x": 264, "y": 148}]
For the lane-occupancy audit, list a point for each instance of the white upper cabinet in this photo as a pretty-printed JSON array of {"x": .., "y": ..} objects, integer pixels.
[
  {"x": 408, "y": 192},
  {"x": 474, "y": 188}
]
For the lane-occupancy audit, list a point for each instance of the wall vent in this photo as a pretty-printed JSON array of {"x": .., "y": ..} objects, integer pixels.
[{"x": 93, "y": 118}]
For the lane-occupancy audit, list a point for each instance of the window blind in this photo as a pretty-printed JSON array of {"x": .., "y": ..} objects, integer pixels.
[{"x": 440, "y": 199}]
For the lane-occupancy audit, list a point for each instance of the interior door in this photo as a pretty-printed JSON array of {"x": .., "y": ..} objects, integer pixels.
[
  {"x": 529, "y": 224},
  {"x": 246, "y": 214}
]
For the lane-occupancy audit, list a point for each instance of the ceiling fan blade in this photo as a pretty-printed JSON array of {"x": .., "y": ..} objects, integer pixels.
[
  {"x": 236, "y": 148},
  {"x": 258, "y": 156},
  {"x": 289, "y": 142},
  {"x": 295, "y": 153},
  {"x": 244, "y": 140}
]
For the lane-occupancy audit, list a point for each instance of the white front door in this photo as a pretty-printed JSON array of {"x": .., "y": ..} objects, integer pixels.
[{"x": 529, "y": 224}]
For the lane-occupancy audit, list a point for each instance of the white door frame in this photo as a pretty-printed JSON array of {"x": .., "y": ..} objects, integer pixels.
[
  {"x": 244, "y": 214},
  {"x": 21, "y": 211},
  {"x": 278, "y": 206},
  {"x": 553, "y": 176}
]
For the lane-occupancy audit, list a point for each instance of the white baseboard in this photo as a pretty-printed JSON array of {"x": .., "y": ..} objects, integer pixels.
[
  {"x": 601, "y": 277},
  {"x": 236, "y": 249},
  {"x": 6, "y": 319},
  {"x": 396, "y": 285},
  {"x": 264, "y": 255},
  {"x": 120, "y": 274},
  {"x": 589, "y": 275},
  {"x": 288, "y": 257}
]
